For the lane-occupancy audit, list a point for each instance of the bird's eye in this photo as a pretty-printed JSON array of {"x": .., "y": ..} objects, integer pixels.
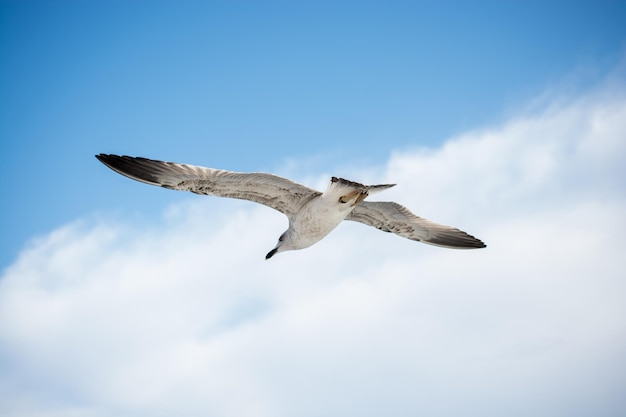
[{"x": 281, "y": 238}]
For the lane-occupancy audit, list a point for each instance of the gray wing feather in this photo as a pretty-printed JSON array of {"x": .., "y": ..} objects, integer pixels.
[
  {"x": 273, "y": 191},
  {"x": 392, "y": 217}
]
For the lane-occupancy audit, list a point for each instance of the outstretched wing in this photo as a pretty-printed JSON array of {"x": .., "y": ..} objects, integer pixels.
[
  {"x": 392, "y": 217},
  {"x": 273, "y": 191}
]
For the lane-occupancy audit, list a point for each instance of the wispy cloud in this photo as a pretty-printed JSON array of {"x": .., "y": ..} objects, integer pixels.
[{"x": 186, "y": 318}]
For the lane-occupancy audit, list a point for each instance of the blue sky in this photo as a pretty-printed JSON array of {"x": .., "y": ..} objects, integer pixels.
[
  {"x": 247, "y": 86},
  {"x": 505, "y": 119}
]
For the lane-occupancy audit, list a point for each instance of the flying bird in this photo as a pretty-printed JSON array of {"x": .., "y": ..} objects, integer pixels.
[{"x": 312, "y": 214}]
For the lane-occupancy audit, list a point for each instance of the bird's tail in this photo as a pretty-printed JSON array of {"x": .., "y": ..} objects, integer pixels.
[
  {"x": 353, "y": 192},
  {"x": 341, "y": 183}
]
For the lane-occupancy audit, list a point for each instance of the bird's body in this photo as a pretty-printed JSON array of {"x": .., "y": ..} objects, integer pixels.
[
  {"x": 312, "y": 214},
  {"x": 320, "y": 215},
  {"x": 315, "y": 220}
]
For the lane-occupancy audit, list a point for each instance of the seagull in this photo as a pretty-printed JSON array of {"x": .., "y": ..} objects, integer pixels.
[{"x": 311, "y": 213}]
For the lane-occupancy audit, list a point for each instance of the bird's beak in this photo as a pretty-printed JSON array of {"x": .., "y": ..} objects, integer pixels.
[{"x": 271, "y": 253}]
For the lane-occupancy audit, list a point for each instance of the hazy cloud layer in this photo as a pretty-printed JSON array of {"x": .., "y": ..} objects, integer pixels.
[{"x": 107, "y": 318}]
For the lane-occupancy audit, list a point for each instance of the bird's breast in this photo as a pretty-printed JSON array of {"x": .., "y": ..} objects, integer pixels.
[{"x": 317, "y": 219}]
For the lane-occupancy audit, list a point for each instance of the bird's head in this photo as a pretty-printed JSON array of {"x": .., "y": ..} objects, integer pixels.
[{"x": 283, "y": 245}]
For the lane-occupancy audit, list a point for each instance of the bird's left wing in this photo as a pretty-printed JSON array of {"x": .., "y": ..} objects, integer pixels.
[
  {"x": 273, "y": 191},
  {"x": 392, "y": 217}
]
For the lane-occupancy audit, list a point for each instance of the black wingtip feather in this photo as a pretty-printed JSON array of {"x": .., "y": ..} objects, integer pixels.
[
  {"x": 136, "y": 168},
  {"x": 455, "y": 239}
]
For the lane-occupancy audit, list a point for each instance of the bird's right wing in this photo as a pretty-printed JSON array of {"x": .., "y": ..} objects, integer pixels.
[
  {"x": 273, "y": 191},
  {"x": 392, "y": 217}
]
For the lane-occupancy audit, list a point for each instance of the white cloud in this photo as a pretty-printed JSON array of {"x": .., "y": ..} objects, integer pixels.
[{"x": 185, "y": 318}]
